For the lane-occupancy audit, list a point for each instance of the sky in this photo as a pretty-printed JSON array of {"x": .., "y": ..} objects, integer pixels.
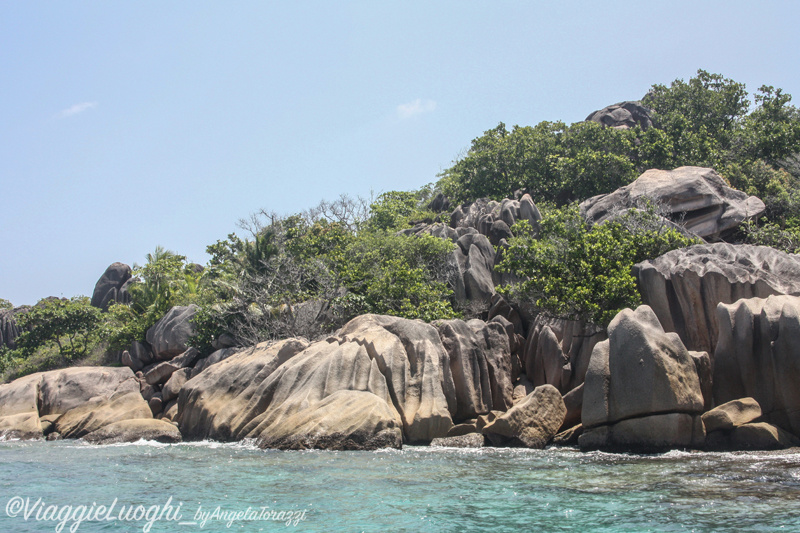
[{"x": 129, "y": 125}]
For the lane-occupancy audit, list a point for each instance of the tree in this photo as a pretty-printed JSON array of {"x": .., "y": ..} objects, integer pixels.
[
  {"x": 701, "y": 116},
  {"x": 69, "y": 324}
]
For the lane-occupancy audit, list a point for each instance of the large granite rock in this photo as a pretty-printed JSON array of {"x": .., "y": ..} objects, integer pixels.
[
  {"x": 19, "y": 411},
  {"x": 9, "y": 329},
  {"x": 758, "y": 356},
  {"x": 531, "y": 423},
  {"x": 100, "y": 412},
  {"x": 345, "y": 420},
  {"x": 696, "y": 197},
  {"x": 480, "y": 362},
  {"x": 68, "y": 388},
  {"x": 170, "y": 335},
  {"x": 52, "y": 395},
  {"x": 731, "y": 414},
  {"x": 258, "y": 393},
  {"x": 557, "y": 351},
  {"x": 641, "y": 390},
  {"x": 133, "y": 430},
  {"x": 623, "y": 115},
  {"x": 219, "y": 402},
  {"x": 111, "y": 287},
  {"x": 684, "y": 286}
]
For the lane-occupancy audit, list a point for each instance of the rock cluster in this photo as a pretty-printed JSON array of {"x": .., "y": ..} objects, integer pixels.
[
  {"x": 76, "y": 402},
  {"x": 478, "y": 228}
]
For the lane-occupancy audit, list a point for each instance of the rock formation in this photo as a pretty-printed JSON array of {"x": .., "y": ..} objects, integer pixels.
[
  {"x": 480, "y": 363},
  {"x": 683, "y": 287},
  {"x": 697, "y": 198},
  {"x": 623, "y": 115},
  {"x": 170, "y": 335},
  {"x": 641, "y": 390},
  {"x": 112, "y": 286},
  {"x": 531, "y": 423},
  {"x": 758, "y": 356},
  {"x": 9, "y": 330},
  {"x": 72, "y": 402},
  {"x": 557, "y": 351}
]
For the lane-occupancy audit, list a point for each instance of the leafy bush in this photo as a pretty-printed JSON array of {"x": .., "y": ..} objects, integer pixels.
[{"x": 572, "y": 270}]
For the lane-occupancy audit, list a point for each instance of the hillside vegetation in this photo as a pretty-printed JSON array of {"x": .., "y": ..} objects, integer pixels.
[{"x": 309, "y": 273}]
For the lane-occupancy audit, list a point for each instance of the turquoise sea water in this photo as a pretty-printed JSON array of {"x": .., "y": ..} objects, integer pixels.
[{"x": 416, "y": 489}]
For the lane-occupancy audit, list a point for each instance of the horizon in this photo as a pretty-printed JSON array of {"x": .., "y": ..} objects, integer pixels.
[{"x": 127, "y": 127}]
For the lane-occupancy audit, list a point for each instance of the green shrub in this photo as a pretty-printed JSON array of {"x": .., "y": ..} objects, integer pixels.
[{"x": 572, "y": 270}]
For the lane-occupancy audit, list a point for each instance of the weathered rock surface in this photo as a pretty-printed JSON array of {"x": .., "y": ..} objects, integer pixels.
[
  {"x": 558, "y": 351},
  {"x": 731, "y": 414},
  {"x": 46, "y": 395},
  {"x": 623, "y": 115},
  {"x": 758, "y": 356},
  {"x": 753, "y": 436},
  {"x": 683, "y": 287},
  {"x": 9, "y": 330},
  {"x": 215, "y": 357},
  {"x": 641, "y": 389},
  {"x": 254, "y": 393},
  {"x": 19, "y": 412},
  {"x": 169, "y": 336},
  {"x": 345, "y": 420},
  {"x": 480, "y": 362},
  {"x": 219, "y": 402},
  {"x": 531, "y": 423},
  {"x": 174, "y": 384},
  {"x": 646, "y": 434},
  {"x": 469, "y": 440},
  {"x": 696, "y": 197},
  {"x": 98, "y": 413},
  {"x": 133, "y": 430},
  {"x": 68, "y": 388},
  {"x": 161, "y": 372},
  {"x": 111, "y": 287}
]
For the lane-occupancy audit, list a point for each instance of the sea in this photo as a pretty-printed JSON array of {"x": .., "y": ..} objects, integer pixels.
[{"x": 209, "y": 486}]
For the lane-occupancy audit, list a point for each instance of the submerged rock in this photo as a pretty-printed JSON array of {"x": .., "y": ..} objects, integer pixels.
[
  {"x": 468, "y": 440},
  {"x": 133, "y": 430}
]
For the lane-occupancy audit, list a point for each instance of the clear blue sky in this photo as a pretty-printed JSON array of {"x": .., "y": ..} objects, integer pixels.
[{"x": 126, "y": 125}]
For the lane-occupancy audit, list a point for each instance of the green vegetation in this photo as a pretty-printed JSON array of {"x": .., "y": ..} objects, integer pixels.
[
  {"x": 308, "y": 273},
  {"x": 572, "y": 270},
  {"x": 706, "y": 121}
]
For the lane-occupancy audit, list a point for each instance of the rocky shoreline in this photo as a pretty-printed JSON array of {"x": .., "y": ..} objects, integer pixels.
[{"x": 709, "y": 362}]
